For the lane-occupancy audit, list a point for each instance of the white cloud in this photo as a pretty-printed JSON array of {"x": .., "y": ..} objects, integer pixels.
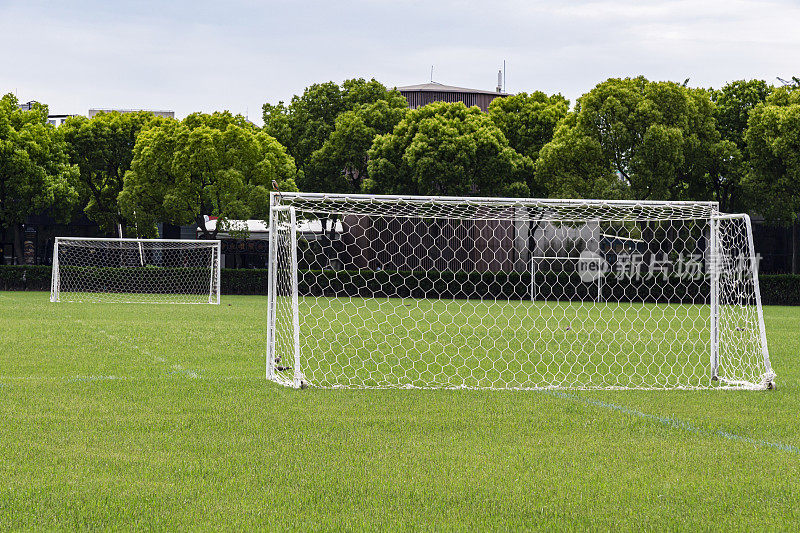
[{"x": 191, "y": 56}]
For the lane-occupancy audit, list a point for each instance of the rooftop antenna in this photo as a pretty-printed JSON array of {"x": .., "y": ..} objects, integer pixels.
[
  {"x": 431, "y": 73},
  {"x": 786, "y": 83},
  {"x": 504, "y": 75}
]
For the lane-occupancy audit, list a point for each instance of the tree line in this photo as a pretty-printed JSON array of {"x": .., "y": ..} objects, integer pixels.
[{"x": 626, "y": 138}]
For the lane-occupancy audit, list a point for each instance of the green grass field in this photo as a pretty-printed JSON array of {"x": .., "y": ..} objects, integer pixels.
[
  {"x": 394, "y": 342},
  {"x": 159, "y": 417}
]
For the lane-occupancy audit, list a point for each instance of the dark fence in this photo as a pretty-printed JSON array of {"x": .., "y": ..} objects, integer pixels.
[{"x": 783, "y": 289}]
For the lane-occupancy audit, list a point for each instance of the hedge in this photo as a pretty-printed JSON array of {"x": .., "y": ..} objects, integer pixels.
[
  {"x": 25, "y": 277},
  {"x": 782, "y": 289},
  {"x": 500, "y": 285}
]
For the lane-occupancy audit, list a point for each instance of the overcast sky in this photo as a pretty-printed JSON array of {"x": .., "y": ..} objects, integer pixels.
[{"x": 203, "y": 56}]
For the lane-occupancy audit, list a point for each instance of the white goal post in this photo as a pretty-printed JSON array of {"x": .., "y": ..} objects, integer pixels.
[
  {"x": 506, "y": 293},
  {"x": 135, "y": 271}
]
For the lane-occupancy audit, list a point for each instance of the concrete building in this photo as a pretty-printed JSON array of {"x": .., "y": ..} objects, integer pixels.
[
  {"x": 55, "y": 120},
  {"x": 166, "y": 114}
]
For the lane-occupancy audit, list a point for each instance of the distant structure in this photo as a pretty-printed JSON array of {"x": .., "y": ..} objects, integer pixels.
[
  {"x": 166, "y": 114},
  {"x": 55, "y": 120},
  {"x": 426, "y": 93}
]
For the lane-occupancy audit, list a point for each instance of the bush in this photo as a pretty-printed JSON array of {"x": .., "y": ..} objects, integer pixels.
[
  {"x": 500, "y": 285},
  {"x": 780, "y": 289},
  {"x": 244, "y": 281},
  {"x": 783, "y": 289},
  {"x": 25, "y": 277}
]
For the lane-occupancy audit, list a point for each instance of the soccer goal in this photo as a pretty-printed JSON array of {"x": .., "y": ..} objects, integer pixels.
[
  {"x": 135, "y": 271},
  {"x": 505, "y": 293}
]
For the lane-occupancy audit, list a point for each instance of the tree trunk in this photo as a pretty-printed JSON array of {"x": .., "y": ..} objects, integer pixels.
[
  {"x": 18, "y": 244},
  {"x": 796, "y": 244}
]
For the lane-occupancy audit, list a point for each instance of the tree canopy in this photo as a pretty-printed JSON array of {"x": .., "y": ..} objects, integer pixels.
[
  {"x": 734, "y": 101},
  {"x": 340, "y": 165},
  {"x": 305, "y": 123},
  {"x": 35, "y": 174},
  {"x": 102, "y": 148},
  {"x": 638, "y": 139},
  {"x": 528, "y": 120},
  {"x": 446, "y": 149},
  {"x": 216, "y": 165},
  {"x": 773, "y": 141}
]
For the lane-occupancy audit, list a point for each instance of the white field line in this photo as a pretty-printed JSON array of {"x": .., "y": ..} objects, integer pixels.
[
  {"x": 676, "y": 423},
  {"x": 175, "y": 369},
  {"x": 12, "y": 380}
]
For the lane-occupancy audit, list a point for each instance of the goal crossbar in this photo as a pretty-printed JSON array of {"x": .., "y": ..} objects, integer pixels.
[
  {"x": 389, "y": 198},
  {"x": 520, "y": 209},
  {"x": 209, "y": 244}
]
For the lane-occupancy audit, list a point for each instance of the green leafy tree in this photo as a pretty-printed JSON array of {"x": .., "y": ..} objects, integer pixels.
[
  {"x": 102, "y": 148},
  {"x": 528, "y": 120},
  {"x": 446, "y": 149},
  {"x": 773, "y": 141},
  {"x": 306, "y": 122},
  {"x": 572, "y": 165},
  {"x": 637, "y": 139},
  {"x": 340, "y": 165},
  {"x": 728, "y": 163},
  {"x": 217, "y": 165},
  {"x": 35, "y": 174},
  {"x": 734, "y": 101}
]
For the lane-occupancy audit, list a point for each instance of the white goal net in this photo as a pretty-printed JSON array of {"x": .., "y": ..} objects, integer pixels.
[
  {"x": 135, "y": 271},
  {"x": 426, "y": 292}
]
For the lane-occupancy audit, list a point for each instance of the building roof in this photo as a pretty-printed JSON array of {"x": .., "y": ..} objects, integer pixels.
[
  {"x": 441, "y": 88},
  {"x": 259, "y": 229},
  {"x": 112, "y": 110}
]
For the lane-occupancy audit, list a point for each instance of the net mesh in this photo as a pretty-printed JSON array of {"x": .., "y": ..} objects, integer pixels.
[
  {"x": 135, "y": 271},
  {"x": 742, "y": 349},
  {"x": 390, "y": 292}
]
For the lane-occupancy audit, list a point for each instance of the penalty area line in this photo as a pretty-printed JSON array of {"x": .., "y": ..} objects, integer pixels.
[
  {"x": 676, "y": 423},
  {"x": 175, "y": 369}
]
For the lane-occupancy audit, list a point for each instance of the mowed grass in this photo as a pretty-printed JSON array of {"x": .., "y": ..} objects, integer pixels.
[
  {"x": 158, "y": 417},
  {"x": 394, "y": 342}
]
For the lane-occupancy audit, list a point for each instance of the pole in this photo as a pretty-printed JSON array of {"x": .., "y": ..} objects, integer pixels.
[
  {"x": 211, "y": 278},
  {"x": 55, "y": 280},
  {"x": 219, "y": 272},
  {"x": 272, "y": 277},
  {"x": 600, "y": 288},
  {"x": 769, "y": 375},
  {"x": 295, "y": 299},
  {"x": 714, "y": 288}
]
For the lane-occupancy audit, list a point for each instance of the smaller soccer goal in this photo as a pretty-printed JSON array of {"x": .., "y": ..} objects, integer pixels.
[{"x": 135, "y": 271}]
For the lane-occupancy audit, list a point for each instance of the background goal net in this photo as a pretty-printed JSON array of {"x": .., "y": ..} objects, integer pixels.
[
  {"x": 426, "y": 292},
  {"x": 135, "y": 271}
]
